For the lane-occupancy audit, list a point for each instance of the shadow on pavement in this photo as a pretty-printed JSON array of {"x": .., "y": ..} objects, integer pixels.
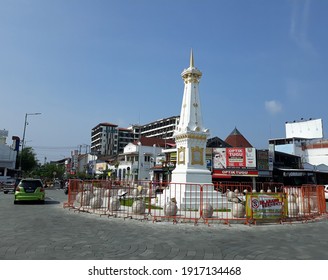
[{"x": 46, "y": 202}]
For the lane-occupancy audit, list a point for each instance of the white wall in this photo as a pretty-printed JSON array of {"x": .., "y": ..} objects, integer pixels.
[
  {"x": 7, "y": 156},
  {"x": 142, "y": 165},
  {"x": 316, "y": 156},
  {"x": 311, "y": 156}
]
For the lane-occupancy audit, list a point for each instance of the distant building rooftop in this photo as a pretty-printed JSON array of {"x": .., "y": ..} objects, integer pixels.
[{"x": 236, "y": 139}]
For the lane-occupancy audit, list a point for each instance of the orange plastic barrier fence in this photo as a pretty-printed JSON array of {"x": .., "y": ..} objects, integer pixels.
[
  {"x": 305, "y": 202},
  {"x": 294, "y": 203},
  {"x": 118, "y": 199},
  {"x": 223, "y": 202}
]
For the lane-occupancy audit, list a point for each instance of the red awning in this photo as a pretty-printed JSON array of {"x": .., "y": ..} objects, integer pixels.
[
  {"x": 171, "y": 144},
  {"x": 228, "y": 173},
  {"x": 221, "y": 176}
]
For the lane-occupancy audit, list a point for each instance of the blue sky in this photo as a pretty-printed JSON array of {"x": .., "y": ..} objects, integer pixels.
[{"x": 82, "y": 62}]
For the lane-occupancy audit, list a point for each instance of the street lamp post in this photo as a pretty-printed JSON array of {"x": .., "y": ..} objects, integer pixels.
[{"x": 23, "y": 140}]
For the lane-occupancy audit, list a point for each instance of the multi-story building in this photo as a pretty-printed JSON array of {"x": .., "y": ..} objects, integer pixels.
[
  {"x": 125, "y": 136},
  {"x": 104, "y": 139},
  {"x": 107, "y": 139},
  {"x": 304, "y": 139},
  {"x": 162, "y": 128}
]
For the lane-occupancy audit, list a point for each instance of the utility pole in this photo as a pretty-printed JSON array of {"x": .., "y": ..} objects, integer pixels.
[{"x": 23, "y": 140}]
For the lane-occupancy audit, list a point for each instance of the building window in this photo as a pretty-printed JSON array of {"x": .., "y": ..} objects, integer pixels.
[{"x": 147, "y": 159}]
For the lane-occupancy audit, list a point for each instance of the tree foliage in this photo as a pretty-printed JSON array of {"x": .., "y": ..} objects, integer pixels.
[
  {"x": 32, "y": 168},
  {"x": 28, "y": 160},
  {"x": 50, "y": 171}
]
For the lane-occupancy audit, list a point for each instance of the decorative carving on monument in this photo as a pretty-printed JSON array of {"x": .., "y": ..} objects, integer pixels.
[
  {"x": 181, "y": 155},
  {"x": 197, "y": 155}
]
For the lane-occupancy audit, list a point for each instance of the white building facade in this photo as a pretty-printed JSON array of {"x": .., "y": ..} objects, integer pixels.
[
  {"x": 304, "y": 139},
  {"x": 109, "y": 140},
  {"x": 137, "y": 160},
  {"x": 8, "y": 154},
  {"x": 163, "y": 128}
]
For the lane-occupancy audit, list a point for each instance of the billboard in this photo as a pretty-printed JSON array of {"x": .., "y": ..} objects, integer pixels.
[
  {"x": 262, "y": 160},
  {"x": 234, "y": 158},
  {"x": 310, "y": 129}
]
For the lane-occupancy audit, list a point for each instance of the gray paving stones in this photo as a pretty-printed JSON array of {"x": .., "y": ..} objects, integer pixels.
[{"x": 65, "y": 234}]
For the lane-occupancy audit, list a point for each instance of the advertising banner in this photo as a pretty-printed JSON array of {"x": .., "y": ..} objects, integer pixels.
[
  {"x": 265, "y": 206},
  {"x": 234, "y": 158},
  {"x": 250, "y": 157},
  {"x": 262, "y": 160},
  {"x": 219, "y": 158}
]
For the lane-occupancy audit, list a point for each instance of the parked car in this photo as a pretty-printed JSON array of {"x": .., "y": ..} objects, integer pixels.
[
  {"x": 326, "y": 192},
  {"x": 30, "y": 190},
  {"x": 10, "y": 186}
]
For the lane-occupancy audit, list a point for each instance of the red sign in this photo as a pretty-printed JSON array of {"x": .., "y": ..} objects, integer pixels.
[
  {"x": 225, "y": 173},
  {"x": 236, "y": 157}
]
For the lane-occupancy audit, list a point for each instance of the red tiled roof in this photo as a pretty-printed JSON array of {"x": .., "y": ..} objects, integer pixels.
[
  {"x": 150, "y": 141},
  {"x": 236, "y": 139}
]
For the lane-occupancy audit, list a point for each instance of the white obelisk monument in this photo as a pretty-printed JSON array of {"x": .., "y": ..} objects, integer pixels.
[
  {"x": 191, "y": 181},
  {"x": 190, "y": 135}
]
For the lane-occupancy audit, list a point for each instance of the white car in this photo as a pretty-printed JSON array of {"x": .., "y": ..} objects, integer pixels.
[
  {"x": 326, "y": 192},
  {"x": 9, "y": 186}
]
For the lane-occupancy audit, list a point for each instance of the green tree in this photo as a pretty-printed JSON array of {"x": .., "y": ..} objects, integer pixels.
[
  {"x": 28, "y": 161},
  {"x": 50, "y": 171}
]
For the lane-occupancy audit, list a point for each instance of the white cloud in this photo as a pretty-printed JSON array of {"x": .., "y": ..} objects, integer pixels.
[{"x": 273, "y": 106}]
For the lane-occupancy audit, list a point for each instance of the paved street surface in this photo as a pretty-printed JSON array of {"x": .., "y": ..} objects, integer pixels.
[{"x": 50, "y": 232}]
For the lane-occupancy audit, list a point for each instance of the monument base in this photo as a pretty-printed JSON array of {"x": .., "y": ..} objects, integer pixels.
[
  {"x": 193, "y": 176},
  {"x": 191, "y": 196}
]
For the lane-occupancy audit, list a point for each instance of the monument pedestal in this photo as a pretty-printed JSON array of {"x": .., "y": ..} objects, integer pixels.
[
  {"x": 190, "y": 196},
  {"x": 191, "y": 175}
]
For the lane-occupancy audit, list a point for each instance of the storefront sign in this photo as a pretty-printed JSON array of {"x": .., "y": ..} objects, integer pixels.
[{"x": 227, "y": 172}]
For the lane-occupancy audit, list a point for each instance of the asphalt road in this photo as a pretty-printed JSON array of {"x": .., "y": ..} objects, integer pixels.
[{"x": 51, "y": 232}]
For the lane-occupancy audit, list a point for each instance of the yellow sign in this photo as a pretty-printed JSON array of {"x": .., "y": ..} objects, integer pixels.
[{"x": 265, "y": 205}]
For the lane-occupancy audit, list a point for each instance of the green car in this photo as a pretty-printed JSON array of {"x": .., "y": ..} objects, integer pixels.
[{"x": 30, "y": 190}]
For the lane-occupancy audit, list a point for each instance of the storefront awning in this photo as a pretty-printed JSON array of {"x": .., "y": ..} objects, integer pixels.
[
  {"x": 220, "y": 176},
  {"x": 226, "y": 173}
]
